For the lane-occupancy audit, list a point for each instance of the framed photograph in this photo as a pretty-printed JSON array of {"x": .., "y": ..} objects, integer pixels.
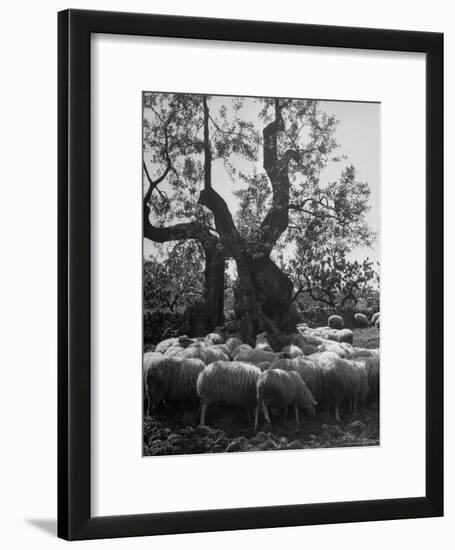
[{"x": 250, "y": 274}]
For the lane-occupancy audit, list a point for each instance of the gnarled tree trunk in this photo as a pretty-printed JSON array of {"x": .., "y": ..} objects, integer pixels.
[
  {"x": 208, "y": 313},
  {"x": 263, "y": 297}
]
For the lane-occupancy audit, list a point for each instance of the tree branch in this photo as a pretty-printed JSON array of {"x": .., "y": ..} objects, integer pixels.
[
  {"x": 208, "y": 197},
  {"x": 277, "y": 218}
]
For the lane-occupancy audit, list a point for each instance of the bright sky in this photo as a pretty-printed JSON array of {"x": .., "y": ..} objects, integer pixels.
[{"x": 358, "y": 134}]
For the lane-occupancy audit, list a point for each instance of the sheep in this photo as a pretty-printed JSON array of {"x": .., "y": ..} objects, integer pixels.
[
  {"x": 336, "y": 321},
  {"x": 208, "y": 354},
  {"x": 364, "y": 352},
  {"x": 372, "y": 370},
  {"x": 333, "y": 346},
  {"x": 264, "y": 365},
  {"x": 361, "y": 320},
  {"x": 292, "y": 351},
  {"x": 231, "y": 383},
  {"x": 310, "y": 373},
  {"x": 345, "y": 335},
  {"x": 262, "y": 342},
  {"x": 374, "y": 318},
  {"x": 172, "y": 378},
  {"x": 323, "y": 357},
  {"x": 232, "y": 343},
  {"x": 348, "y": 350},
  {"x": 256, "y": 356},
  {"x": 302, "y": 340},
  {"x": 214, "y": 338},
  {"x": 223, "y": 348},
  {"x": 164, "y": 345},
  {"x": 344, "y": 383},
  {"x": 279, "y": 388},
  {"x": 309, "y": 349},
  {"x": 239, "y": 349},
  {"x": 332, "y": 334}
]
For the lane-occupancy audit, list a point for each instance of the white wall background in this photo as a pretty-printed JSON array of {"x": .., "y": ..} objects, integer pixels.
[{"x": 28, "y": 276}]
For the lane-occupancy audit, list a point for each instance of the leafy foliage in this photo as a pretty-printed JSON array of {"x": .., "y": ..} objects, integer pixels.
[{"x": 174, "y": 278}]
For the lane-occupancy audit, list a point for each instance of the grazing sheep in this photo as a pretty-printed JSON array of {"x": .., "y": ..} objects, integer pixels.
[
  {"x": 333, "y": 346},
  {"x": 292, "y": 351},
  {"x": 310, "y": 373},
  {"x": 214, "y": 338},
  {"x": 257, "y": 356},
  {"x": 344, "y": 384},
  {"x": 345, "y": 335},
  {"x": 262, "y": 342},
  {"x": 223, "y": 348},
  {"x": 264, "y": 365},
  {"x": 372, "y": 370},
  {"x": 361, "y": 320},
  {"x": 302, "y": 340},
  {"x": 240, "y": 349},
  {"x": 336, "y": 321},
  {"x": 309, "y": 349},
  {"x": 364, "y": 352},
  {"x": 172, "y": 378},
  {"x": 323, "y": 357},
  {"x": 231, "y": 383},
  {"x": 348, "y": 350},
  {"x": 232, "y": 343},
  {"x": 164, "y": 345},
  {"x": 208, "y": 354},
  {"x": 374, "y": 318},
  {"x": 279, "y": 388},
  {"x": 332, "y": 334}
]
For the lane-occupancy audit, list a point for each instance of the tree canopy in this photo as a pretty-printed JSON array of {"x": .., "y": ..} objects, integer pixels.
[{"x": 242, "y": 178}]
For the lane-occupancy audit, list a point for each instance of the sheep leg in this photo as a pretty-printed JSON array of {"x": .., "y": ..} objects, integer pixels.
[
  {"x": 337, "y": 413},
  {"x": 203, "y": 411},
  {"x": 256, "y": 417},
  {"x": 266, "y": 412},
  {"x": 296, "y": 409}
]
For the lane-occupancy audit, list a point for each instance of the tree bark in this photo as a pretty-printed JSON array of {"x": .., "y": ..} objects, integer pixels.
[{"x": 208, "y": 312}]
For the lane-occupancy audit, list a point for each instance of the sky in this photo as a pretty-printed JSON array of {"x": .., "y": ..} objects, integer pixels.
[{"x": 358, "y": 134}]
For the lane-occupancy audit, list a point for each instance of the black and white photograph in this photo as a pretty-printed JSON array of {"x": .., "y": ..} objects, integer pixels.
[{"x": 261, "y": 273}]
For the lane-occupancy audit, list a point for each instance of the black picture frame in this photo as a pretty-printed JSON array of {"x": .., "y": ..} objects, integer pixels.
[{"x": 74, "y": 248}]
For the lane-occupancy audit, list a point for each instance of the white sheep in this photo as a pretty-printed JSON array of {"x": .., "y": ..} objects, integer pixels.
[
  {"x": 214, "y": 338},
  {"x": 239, "y": 349},
  {"x": 374, "y": 318},
  {"x": 336, "y": 321},
  {"x": 345, "y": 335},
  {"x": 292, "y": 350},
  {"x": 364, "y": 352},
  {"x": 262, "y": 342},
  {"x": 345, "y": 382},
  {"x": 231, "y": 383},
  {"x": 232, "y": 343},
  {"x": 205, "y": 352},
  {"x": 334, "y": 347},
  {"x": 310, "y": 373},
  {"x": 279, "y": 388},
  {"x": 256, "y": 356},
  {"x": 361, "y": 320},
  {"x": 172, "y": 378},
  {"x": 372, "y": 369},
  {"x": 164, "y": 345}
]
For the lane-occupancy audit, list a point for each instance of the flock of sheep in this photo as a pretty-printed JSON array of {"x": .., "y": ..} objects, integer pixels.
[{"x": 319, "y": 367}]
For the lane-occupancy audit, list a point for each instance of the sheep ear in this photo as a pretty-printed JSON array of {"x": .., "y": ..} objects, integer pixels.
[{"x": 315, "y": 402}]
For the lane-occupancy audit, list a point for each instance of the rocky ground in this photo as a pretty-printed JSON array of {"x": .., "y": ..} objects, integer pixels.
[{"x": 179, "y": 433}]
